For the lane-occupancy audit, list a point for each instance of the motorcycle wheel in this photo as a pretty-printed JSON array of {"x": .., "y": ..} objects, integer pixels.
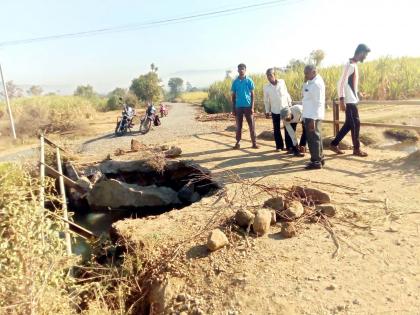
[
  {"x": 145, "y": 125},
  {"x": 119, "y": 130}
]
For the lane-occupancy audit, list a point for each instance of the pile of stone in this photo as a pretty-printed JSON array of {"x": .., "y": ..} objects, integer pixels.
[{"x": 277, "y": 209}]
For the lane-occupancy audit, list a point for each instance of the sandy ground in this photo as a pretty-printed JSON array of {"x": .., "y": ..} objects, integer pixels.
[{"x": 376, "y": 272}]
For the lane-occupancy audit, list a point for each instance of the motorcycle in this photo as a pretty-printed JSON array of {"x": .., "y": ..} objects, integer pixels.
[
  {"x": 147, "y": 120},
  {"x": 124, "y": 122},
  {"x": 163, "y": 111}
]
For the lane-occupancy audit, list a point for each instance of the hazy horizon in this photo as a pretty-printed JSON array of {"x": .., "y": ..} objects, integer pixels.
[{"x": 198, "y": 50}]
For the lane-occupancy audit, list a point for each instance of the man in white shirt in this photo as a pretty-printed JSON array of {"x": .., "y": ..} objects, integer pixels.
[
  {"x": 313, "y": 113},
  {"x": 291, "y": 116},
  {"x": 348, "y": 94},
  {"x": 276, "y": 97}
]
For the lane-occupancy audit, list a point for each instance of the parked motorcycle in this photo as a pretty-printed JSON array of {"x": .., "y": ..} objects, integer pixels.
[
  {"x": 125, "y": 121},
  {"x": 149, "y": 118}
]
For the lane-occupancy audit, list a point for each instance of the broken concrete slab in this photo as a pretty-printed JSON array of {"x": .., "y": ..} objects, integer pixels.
[{"x": 115, "y": 195}]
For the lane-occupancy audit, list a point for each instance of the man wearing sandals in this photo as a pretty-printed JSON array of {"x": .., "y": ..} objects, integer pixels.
[
  {"x": 348, "y": 94},
  {"x": 243, "y": 105}
]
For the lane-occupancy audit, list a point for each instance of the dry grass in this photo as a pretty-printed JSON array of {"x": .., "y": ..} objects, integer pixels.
[
  {"x": 51, "y": 114},
  {"x": 34, "y": 269}
]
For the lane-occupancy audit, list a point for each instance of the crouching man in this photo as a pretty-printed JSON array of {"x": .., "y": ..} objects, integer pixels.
[{"x": 292, "y": 116}]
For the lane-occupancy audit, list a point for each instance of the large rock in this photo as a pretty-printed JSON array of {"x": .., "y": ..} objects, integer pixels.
[
  {"x": 293, "y": 211},
  {"x": 262, "y": 222},
  {"x": 316, "y": 195},
  {"x": 276, "y": 203},
  {"x": 288, "y": 230},
  {"x": 162, "y": 294},
  {"x": 136, "y": 145},
  {"x": 216, "y": 240},
  {"x": 327, "y": 209},
  {"x": 244, "y": 218},
  {"x": 114, "y": 194},
  {"x": 173, "y": 152}
]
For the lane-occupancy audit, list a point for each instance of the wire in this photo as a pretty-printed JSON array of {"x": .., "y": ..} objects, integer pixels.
[{"x": 131, "y": 27}]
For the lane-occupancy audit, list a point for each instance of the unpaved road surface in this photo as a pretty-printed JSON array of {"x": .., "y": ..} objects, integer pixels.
[{"x": 179, "y": 123}]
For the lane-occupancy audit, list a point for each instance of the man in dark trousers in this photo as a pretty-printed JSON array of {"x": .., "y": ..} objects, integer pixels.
[
  {"x": 313, "y": 103},
  {"x": 276, "y": 98},
  {"x": 243, "y": 105},
  {"x": 348, "y": 94}
]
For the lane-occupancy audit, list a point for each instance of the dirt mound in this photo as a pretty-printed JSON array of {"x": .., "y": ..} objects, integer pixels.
[
  {"x": 402, "y": 135},
  {"x": 267, "y": 135}
]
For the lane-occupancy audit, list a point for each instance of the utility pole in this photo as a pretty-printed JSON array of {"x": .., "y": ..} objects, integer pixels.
[{"x": 12, "y": 123}]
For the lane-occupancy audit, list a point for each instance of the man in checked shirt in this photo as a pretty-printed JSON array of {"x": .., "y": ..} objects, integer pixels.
[{"x": 348, "y": 94}]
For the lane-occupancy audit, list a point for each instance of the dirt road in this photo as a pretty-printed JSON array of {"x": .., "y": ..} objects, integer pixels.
[{"x": 179, "y": 123}]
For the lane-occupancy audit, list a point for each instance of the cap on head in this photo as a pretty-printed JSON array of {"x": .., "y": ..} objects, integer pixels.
[
  {"x": 362, "y": 48},
  {"x": 285, "y": 112}
]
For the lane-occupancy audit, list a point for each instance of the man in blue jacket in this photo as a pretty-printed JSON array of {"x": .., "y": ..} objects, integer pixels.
[{"x": 243, "y": 105}]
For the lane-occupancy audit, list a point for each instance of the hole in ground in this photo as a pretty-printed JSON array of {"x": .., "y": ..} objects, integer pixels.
[{"x": 134, "y": 189}]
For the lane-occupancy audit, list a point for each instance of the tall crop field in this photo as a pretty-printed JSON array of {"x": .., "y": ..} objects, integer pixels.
[{"x": 383, "y": 79}]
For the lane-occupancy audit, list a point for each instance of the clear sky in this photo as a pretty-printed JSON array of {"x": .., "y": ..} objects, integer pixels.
[{"x": 198, "y": 51}]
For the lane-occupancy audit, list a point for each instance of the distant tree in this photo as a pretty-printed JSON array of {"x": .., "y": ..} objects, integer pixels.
[
  {"x": 175, "y": 86},
  {"x": 295, "y": 64},
  {"x": 317, "y": 56},
  {"x": 227, "y": 74},
  {"x": 85, "y": 91},
  {"x": 188, "y": 87},
  {"x": 131, "y": 100},
  {"x": 118, "y": 92},
  {"x": 114, "y": 99},
  {"x": 153, "y": 67},
  {"x": 35, "y": 90},
  {"x": 13, "y": 90},
  {"x": 147, "y": 87}
]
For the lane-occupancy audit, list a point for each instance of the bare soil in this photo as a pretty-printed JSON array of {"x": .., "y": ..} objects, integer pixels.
[{"x": 376, "y": 271}]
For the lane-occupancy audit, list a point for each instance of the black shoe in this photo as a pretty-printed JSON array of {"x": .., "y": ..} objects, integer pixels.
[
  {"x": 322, "y": 162},
  {"x": 313, "y": 166},
  {"x": 297, "y": 153}
]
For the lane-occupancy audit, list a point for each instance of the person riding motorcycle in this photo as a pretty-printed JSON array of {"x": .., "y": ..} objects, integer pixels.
[
  {"x": 129, "y": 110},
  {"x": 163, "y": 110}
]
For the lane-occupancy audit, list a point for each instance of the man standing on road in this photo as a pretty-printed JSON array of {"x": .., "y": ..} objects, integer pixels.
[
  {"x": 243, "y": 105},
  {"x": 348, "y": 94},
  {"x": 313, "y": 113},
  {"x": 291, "y": 116},
  {"x": 276, "y": 98}
]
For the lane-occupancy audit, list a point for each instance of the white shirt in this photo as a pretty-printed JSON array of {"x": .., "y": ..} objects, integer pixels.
[
  {"x": 347, "y": 86},
  {"x": 276, "y": 97},
  {"x": 314, "y": 99},
  {"x": 296, "y": 118}
]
